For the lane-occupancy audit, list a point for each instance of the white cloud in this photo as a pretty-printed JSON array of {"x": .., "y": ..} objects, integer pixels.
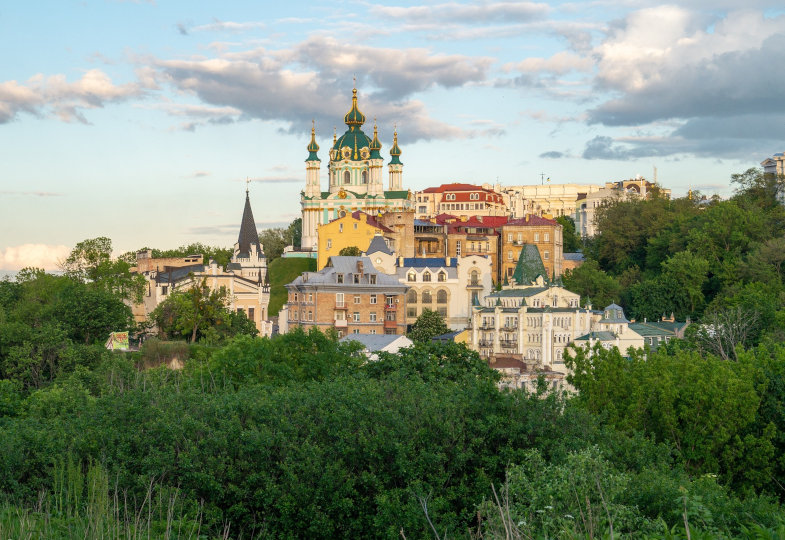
[
  {"x": 44, "y": 96},
  {"x": 44, "y": 256},
  {"x": 560, "y": 63},
  {"x": 479, "y": 12}
]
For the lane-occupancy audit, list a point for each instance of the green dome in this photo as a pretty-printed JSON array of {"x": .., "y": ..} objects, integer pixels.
[
  {"x": 375, "y": 144},
  {"x": 395, "y": 151},
  {"x": 312, "y": 146},
  {"x": 354, "y": 117}
]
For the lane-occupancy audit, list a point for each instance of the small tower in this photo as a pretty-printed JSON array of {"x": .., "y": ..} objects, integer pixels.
[
  {"x": 375, "y": 162},
  {"x": 312, "y": 166},
  {"x": 248, "y": 255},
  {"x": 395, "y": 165}
]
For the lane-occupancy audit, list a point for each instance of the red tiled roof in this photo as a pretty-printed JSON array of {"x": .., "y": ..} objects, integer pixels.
[
  {"x": 533, "y": 221},
  {"x": 506, "y": 362},
  {"x": 371, "y": 221},
  {"x": 456, "y": 187}
]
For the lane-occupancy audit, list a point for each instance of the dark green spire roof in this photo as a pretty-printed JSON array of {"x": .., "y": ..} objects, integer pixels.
[
  {"x": 529, "y": 266},
  {"x": 395, "y": 151},
  {"x": 375, "y": 144},
  {"x": 248, "y": 235},
  {"x": 312, "y": 146}
]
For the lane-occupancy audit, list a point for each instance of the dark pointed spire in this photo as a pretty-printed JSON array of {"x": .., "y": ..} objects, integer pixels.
[{"x": 248, "y": 235}]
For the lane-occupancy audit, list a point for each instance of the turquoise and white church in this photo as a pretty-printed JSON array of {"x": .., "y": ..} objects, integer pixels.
[{"x": 355, "y": 175}]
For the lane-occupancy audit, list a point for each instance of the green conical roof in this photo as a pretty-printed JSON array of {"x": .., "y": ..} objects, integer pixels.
[
  {"x": 312, "y": 146},
  {"x": 395, "y": 151},
  {"x": 529, "y": 266},
  {"x": 375, "y": 144}
]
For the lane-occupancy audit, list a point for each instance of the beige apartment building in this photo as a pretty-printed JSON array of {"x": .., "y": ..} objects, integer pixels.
[
  {"x": 349, "y": 295},
  {"x": 543, "y": 233}
]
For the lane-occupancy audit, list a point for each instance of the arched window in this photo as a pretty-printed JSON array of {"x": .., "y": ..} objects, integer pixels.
[
  {"x": 411, "y": 297},
  {"x": 426, "y": 297},
  {"x": 475, "y": 278},
  {"x": 411, "y": 276},
  {"x": 365, "y": 177},
  {"x": 347, "y": 178},
  {"x": 426, "y": 276},
  {"x": 442, "y": 276},
  {"x": 441, "y": 296}
]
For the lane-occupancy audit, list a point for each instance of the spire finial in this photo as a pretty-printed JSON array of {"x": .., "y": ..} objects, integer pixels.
[
  {"x": 335, "y": 134},
  {"x": 247, "y": 184}
]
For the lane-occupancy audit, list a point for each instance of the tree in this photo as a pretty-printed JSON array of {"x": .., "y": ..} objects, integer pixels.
[
  {"x": 350, "y": 251},
  {"x": 428, "y": 325},
  {"x": 197, "y": 309},
  {"x": 570, "y": 240},
  {"x": 89, "y": 314},
  {"x": 295, "y": 232},
  {"x": 690, "y": 272},
  {"x": 220, "y": 255},
  {"x": 273, "y": 242},
  {"x": 91, "y": 262},
  {"x": 592, "y": 283}
]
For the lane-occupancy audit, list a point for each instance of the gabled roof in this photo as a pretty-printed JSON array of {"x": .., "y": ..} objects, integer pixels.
[
  {"x": 529, "y": 266},
  {"x": 522, "y": 292},
  {"x": 174, "y": 275},
  {"x": 378, "y": 245},
  {"x": 578, "y": 256},
  {"x": 613, "y": 313},
  {"x": 376, "y": 342},
  {"x": 533, "y": 221},
  {"x": 248, "y": 235},
  {"x": 602, "y": 336},
  {"x": 456, "y": 187}
]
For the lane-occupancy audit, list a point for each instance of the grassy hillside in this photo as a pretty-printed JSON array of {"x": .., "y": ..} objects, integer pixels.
[{"x": 283, "y": 271}]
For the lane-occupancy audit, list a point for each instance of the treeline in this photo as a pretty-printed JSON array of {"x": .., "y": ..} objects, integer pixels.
[
  {"x": 297, "y": 436},
  {"x": 692, "y": 257}
]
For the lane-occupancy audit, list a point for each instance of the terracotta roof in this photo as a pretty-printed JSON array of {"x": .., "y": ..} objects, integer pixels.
[
  {"x": 532, "y": 221},
  {"x": 506, "y": 362},
  {"x": 456, "y": 187}
]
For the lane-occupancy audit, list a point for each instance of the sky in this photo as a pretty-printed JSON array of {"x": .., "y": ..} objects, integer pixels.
[{"x": 141, "y": 121}]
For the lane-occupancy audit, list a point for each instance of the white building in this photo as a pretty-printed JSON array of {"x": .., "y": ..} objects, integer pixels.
[{"x": 449, "y": 285}]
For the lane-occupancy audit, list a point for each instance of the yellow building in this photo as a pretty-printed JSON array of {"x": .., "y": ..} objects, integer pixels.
[{"x": 351, "y": 230}]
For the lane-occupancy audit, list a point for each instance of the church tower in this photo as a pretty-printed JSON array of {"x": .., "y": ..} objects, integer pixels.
[
  {"x": 395, "y": 166},
  {"x": 313, "y": 189},
  {"x": 248, "y": 257}
]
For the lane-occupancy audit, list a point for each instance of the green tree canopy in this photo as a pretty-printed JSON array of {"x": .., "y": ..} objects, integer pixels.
[
  {"x": 350, "y": 251},
  {"x": 428, "y": 325}
]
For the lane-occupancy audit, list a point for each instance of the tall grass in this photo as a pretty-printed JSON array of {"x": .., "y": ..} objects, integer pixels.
[{"x": 82, "y": 505}]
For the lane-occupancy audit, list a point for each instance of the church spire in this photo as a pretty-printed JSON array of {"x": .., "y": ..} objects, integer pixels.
[
  {"x": 248, "y": 235},
  {"x": 312, "y": 146},
  {"x": 395, "y": 151},
  {"x": 354, "y": 118}
]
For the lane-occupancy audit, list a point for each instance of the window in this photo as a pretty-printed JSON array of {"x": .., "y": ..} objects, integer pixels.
[
  {"x": 356, "y": 316},
  {"x": 426, "y": 297},
  {"x": 411, "y": 297},
  {"x": 365, "y": 177},
  {"x": 310, "y": 297},
  {"x": 339, "y": 299},
  {"x": 340, "y": 333},
  {"x": 442, "y": 276},
  {"x": 356, "y": 298},
  {"x": 389, "y": 316},
  {"x": 426, "y": 276},
  {"x": 340, "y": 227},
  {"x": 509, "y": 237},
  {"x": 458, "y": 248},
  {"x": 546, "y": 237},
  {"x": 442, "y": 311},
  {"x": 390, "y": 331},
  {"x": 475, "y": 278},
  {"x": 411, "y": 276},
  {"x": 520, "y": 237},
  {"x": 373, "y": 330},
  {"x": 251, "y": 314},
  {"x": 536, "y": 237},
  {"x": 240, "y": 310},
  {"x": 295, "y": 297},
  {"x": 329, "y": 244},
  {"x": 411, "y": 311},
  {"x": 339, "y": 278},
  {"x": 546, "y": 255},
  {"x": 509, "y": 255},
  {"x": 474, "y": 196},
  {"x": 310, "y": 315},
  {"x": 372, "y": 316},
  {"x": 356, "y": 331},
  {"x": 441, "y": 296},
  {"x": 356, "y": 278},
  {"x": 355, "y": 226},
  {"x": 347, "y": 178},
  {"x": 373, "y": 298}
]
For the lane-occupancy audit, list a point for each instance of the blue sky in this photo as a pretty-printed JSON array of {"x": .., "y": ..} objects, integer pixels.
[{"x": 141, "y": 120}]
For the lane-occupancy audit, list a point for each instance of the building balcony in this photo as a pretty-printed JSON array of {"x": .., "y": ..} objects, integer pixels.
[
  {"x": 510, "y": 328},
  {"x": 508, "y": 343},
  {"x": 390, "y": 307},
  {"x": 391, "y": 324},
  {"x": 487, "y": 327},
  {"x": 341, "y": 323},
  {"x": 341, "y": 305},
  {"x": 474, "y": 285},
  {"x": 487, "y": 343}
]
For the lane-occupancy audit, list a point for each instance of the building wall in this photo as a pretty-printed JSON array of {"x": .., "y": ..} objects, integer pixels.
[
  {"x": 342, "y": 233},
  {"x": 311, "y": 307},
  {"x": 547, "y": 238},
  {"x": 547, "y": 199},
  {"x": 481, "y": 245},
  {"x": 460, "y": 200},
  {"x": 402, "y": 225}
]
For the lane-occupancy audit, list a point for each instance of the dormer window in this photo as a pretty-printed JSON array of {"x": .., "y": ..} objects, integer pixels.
[
  {"x": 442, "y": 276},
  {"x": 339, "y": 278},
  {"x": 426, "y": 276},
  {"x": 411, "y": 276}
]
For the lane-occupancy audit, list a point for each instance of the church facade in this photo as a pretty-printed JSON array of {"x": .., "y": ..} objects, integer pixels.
[{"x": 355, "y": 178}]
